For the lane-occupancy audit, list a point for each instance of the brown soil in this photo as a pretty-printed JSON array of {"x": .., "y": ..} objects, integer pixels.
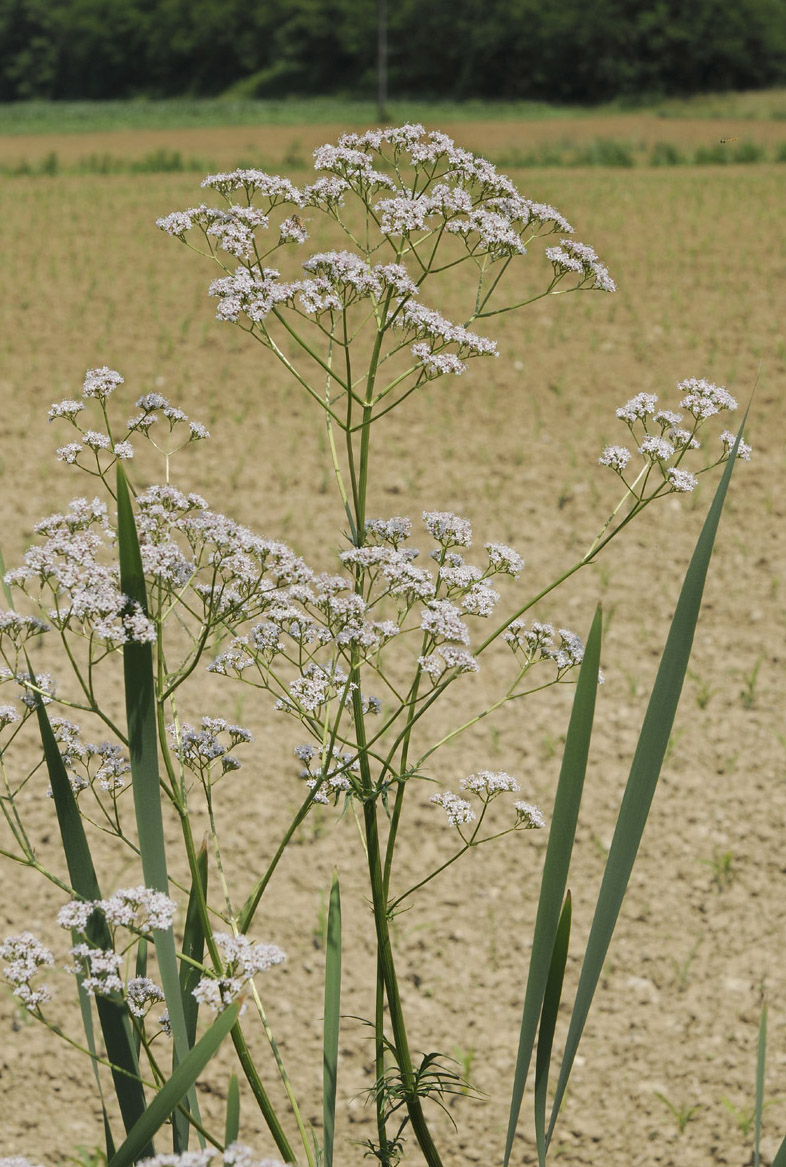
[{"x": 699, "y": 260}]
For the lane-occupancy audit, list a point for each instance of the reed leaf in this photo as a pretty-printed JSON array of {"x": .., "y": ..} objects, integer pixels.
[
  {"x": 143, "y": 749},
  {"x": 548, "y": 1022},
  {"x": 332, "y": 1018},
  {"x": 193, "y": 947},
  {"x": 555, "y": 868},
  {"x": 232, "y": 1124},
  {"x": 643, "y": 778},
  {"x": 174, "y": 1091},
  {"x": 112, "y": 1015},
  {"x": 761, "y": 1055}
]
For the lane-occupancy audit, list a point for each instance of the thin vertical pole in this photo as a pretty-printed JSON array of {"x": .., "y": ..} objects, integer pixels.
[{"x": 382, "y": 60}]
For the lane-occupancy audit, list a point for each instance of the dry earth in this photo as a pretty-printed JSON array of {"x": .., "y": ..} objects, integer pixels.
[{"x": 700, "y": 260}]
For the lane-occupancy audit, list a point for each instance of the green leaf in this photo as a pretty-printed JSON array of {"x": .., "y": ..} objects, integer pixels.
[
  {"x": 548, "y": 1021},
  {"x": 643, "y": 778},
  {"x": 193, "y": 947},
  {"x": 173, "y": 1091},
  {"x": 332, "y": 1018},
  {"x": 112, "y": 1015},
  {"x": 85, "y": 1008},
  {"x": 145, "y": 781},
  {"x": 232, "y": 1125},
  {"x": 140, "y": 971},
  {"x": 556, "y": 864},
  {"x": 760, "y": 1060}
]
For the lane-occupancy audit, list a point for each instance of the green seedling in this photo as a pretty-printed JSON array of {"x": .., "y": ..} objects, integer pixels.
[
  {"x": 721, "y": 866},
  {"x": 682, "y": 1113}
]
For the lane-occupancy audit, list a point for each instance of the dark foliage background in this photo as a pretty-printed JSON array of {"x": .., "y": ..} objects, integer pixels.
[{"x": 557, "y": 50}]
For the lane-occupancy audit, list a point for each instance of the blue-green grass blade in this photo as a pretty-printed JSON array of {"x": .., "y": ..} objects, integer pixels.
[
  {"x": 761, "y": 1055},
  {"x": 193, "y": 947},
  {"x": 86, "y": 1009},
  {"x": 332, "y": 1018},
  {"x": 140, "y": 970},
  {"x": 145, "y": 781},
  {"x": 174, "y": 1091},
  {"x": 548, "y": 1022},
  {"x": 643, "y": 778},
  {"x": 556, "y": 864},
  {"x": 112, "y": 1015},
  {"x": 232, "y": 1125}
]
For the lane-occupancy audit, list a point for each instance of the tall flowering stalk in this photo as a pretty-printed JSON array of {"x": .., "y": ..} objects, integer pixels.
[{"x": 356, "y": 658}]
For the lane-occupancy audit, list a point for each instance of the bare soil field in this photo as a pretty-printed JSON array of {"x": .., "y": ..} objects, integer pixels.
[{"x": 700, "y": 259}]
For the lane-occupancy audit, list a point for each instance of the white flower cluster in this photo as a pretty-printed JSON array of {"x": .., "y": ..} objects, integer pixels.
[
  {"x": 581, "y": 260},
  {"x": 487, "y": 785},
  {"x": 86, "y": 590},
  {"x": 234, "y": 1155},
  {"x": 243, "y": 960},
  {"x": 200, "y": 749},
  {"x": 99, "y": 383},
  {"x": 86, "y": 762},
  {"x": 328, "y": 772},
  {"x": 661, "y": 439},
  {"x": 438, "y": 333},
  {"x": 537, "y": 643},
  {"x": 429, "y": 187},
  {"x": 141, "y": 910},
  {"x": 26, "y": 955}
]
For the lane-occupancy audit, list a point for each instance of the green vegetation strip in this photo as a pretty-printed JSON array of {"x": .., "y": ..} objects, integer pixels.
[
  {"x": 70, "y": 117},
  {"x": 602, "y": 152}
]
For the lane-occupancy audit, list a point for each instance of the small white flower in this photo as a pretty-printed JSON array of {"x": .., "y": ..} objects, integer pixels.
[
  {"x": 682, "y": 481},
  {"x": 658, "y": 449},
  {"x": 529, "y": 816},
  {"x": 639, "y": 407},
  {"x": 617, "y": 457},
  {"x": 458, "y": 810},
  {"x": 67, "y": 408},
  {"x": 504, "y": 559}
]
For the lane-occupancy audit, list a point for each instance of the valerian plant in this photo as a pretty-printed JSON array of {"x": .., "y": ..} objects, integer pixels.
[{"x": 152, "y": 575}]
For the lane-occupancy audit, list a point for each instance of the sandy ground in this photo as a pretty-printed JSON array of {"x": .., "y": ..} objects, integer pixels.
[{"x": 700, "y": 262}]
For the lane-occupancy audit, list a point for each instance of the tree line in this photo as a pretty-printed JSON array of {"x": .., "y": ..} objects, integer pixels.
[{"x": 554, "y": 50}]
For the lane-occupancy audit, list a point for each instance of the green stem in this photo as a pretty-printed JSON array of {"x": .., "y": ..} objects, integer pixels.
[{"x": 259, "y": 1092}]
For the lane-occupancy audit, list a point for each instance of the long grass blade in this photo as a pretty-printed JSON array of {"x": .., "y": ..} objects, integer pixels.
[
  {"x": 643, "y": 778},
  {"x": 143, "y": 750},
  {"x": 548, "y": 1022},
  {"x": 112, "y": 1015},
  {"x": 140, "y": 970},
  {"x": 761, "y": 1056},
  {"x": 193, "y": 947},
  {"x": 332, "y": 1018},
  {"x": 173, "y": 1091},
  {"x": 232, "y": 1124},
  {"x": 556, "y": 864}
]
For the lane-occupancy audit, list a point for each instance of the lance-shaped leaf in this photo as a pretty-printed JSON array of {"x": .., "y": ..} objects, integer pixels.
[
  {"x": 555, "y": 867},
  {"x": 175, "y": 1090},
  {"x": 332, "y": 1018},
  {"x": 112, "y": 1015},
  {"x": 643, "y": 778},
  {"x": 761, "y": 1055},
  {"x": 145, "y": 781},
  {"x": 232, "y": 1124},
  {"x": 193, "y": 945},
  {"x": 548, "y": 1022}
]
